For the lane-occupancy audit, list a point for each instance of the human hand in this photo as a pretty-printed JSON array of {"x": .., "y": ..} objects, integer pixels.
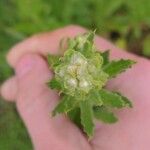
[{"x": 35, "y": 101}]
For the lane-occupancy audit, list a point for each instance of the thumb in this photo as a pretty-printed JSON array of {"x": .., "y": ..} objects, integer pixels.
[{"x": 35, "y": 102}]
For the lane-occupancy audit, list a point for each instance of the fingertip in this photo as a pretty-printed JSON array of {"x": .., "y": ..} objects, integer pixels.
[
  {"x": 20, "y": 49},
  {"x": 9, "y": 89}
]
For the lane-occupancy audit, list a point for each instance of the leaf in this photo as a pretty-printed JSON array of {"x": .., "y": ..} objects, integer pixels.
[
  {"x": 112, "y": 99},
  {"x": 66, "y": 104},
  {"x": 84, "y": 44},
  {"x": 95, "y": 98},
  {"x": 116, "y": 67},
  {"x": 126, "y": 100},
  {"x": 53, "y": 60},
  {"x": 103, "y": 114},
  {"x": 54, "y": 84},
  {"x": 74, "y": 116},
  {"x": 105, "y": 56},
  {"x": 87, "y": 117},
  {"x": 87, "y": 50}
]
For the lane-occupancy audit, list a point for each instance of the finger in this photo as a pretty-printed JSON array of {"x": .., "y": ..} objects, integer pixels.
[
  {"x": 49, "y": 43},
  {"x": 35, "y": 103},
  {"x": 42, "y": 43},
  {"x": 9, "y": 89}
]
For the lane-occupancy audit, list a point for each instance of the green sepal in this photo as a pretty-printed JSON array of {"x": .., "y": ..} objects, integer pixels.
[
  {"x": 87, "y": 50},
  {"x": 104, "y": 115},
  {"x": 90, "y": 36},
  {"x": 116, "y": 67},
  {"x": 54, "y": 84},
  {"x": 83, "y": 44},
  {"x": 53, "y": 60},
  {"x": 87, "y": 117}
]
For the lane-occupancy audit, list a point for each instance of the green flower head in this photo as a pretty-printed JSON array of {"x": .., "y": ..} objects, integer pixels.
[
  {"x": 80, "y": 69},
  {"x": 80, "y": 75}
]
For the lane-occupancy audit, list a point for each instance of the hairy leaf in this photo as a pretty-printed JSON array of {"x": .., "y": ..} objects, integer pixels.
[
  {"x": 66, "y": 104},
  {"x": 112, "y": 99},
  {"x": 116, "y": 67},
  {"x": 87, "y": 117}
]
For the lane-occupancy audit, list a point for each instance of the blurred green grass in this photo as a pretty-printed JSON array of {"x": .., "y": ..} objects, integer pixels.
[{"x": 125, "y": 22}]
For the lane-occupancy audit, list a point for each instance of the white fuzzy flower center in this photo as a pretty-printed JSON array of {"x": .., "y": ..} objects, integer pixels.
[
  {"x": 78, "y": 60},
  {"x": 76, "y": 73},
  {"x": 83, "y": 84},
  {"x": 72, "y": 82}
]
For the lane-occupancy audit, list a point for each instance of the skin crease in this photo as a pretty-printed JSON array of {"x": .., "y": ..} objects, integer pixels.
[{"x": 35, "y": 101}]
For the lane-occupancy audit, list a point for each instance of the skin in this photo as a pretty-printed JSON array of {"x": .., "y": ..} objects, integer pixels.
[{"x": 35, "y": 101}]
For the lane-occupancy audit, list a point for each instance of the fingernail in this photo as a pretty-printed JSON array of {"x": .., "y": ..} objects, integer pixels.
[{"x": 25, "y": 65}]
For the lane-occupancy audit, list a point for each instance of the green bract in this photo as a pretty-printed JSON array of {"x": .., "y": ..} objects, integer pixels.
[{"x": 80, "y": 76}]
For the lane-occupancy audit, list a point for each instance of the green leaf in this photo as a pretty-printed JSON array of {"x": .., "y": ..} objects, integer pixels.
[
  {"x": 84, "y": 44},
  {"x": 54, "y": 84},
  {"x": 103, "y": 114},
  {"x": 74, "y": 116},
  {"x": 112, "y": 99},
  {"x": 127, "y": 102},
  {"x": 116, "y": 67},
  {"x": 53, "y": 60},
  {"x": 105, "y": 56},
  {"x": 87, "y": 50},
  {"x": 87, "y": 117},
  {"x": 95, "y": 98},
  {"x": 66, "y": 104}
]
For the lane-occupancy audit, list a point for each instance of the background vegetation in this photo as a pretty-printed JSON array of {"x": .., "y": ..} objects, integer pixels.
[{"x": 125, "y": 22}]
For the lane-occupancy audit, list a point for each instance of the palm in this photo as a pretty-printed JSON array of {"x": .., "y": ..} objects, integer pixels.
[{"x": 35, "y": 101}]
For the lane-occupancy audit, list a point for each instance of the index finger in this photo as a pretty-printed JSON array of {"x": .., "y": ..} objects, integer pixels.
[{"x": 45, "y": 43}]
